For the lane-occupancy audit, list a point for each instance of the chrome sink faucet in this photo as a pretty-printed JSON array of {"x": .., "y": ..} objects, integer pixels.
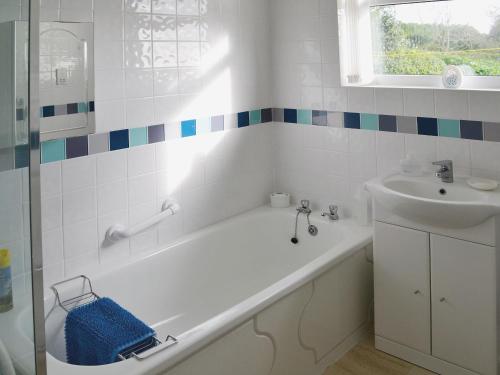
[
  {"x": 333, "y": 213},
  {"x": 445, "y": 172}
]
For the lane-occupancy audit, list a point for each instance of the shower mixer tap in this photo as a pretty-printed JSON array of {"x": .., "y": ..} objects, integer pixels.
[{"x": 305, "y": 209}]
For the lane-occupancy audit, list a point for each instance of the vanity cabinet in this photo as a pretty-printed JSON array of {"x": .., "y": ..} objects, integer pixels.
[{"x": 435, "y": 300}]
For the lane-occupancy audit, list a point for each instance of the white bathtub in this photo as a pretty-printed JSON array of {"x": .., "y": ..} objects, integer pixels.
[{"x": 221, "y": 292}]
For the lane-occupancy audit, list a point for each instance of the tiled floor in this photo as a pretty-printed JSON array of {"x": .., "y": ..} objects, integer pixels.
[{"x": 364, "y": 359}]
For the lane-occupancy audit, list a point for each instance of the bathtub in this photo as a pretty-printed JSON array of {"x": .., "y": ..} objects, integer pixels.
[{"x": 241, "y": 299}]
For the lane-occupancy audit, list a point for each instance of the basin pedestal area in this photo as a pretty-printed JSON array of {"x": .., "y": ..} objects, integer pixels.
[{"x": 436, "y": 279}]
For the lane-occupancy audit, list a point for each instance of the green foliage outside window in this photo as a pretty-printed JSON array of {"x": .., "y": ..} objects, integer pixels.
[{"x": 425, "y": 49}]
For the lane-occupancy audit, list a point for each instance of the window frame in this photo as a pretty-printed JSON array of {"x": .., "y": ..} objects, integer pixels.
[{"x": 483, "y": 83}]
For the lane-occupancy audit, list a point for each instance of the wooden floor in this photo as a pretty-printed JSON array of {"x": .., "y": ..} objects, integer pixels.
[{"x": 364, "y": 359}]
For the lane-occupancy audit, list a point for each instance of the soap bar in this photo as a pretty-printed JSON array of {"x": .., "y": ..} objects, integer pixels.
[{"x": 482, "y": 184}]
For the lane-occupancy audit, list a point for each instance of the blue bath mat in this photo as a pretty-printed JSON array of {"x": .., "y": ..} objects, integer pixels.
[{"x": 96, "y": 333}]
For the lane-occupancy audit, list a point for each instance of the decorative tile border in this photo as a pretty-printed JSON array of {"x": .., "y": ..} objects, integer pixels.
[
  {"x": 66, "y": 109},
  {"x": 61, "y": 149},
  {"x": 74, "y": 147},
  {"x": 465, "y": 129}
]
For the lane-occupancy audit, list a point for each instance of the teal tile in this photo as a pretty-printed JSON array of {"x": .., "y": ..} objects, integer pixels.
[
  {"x": 54, "y": 150},
  {"x": 138, "y": 137},
  {"x": 449, "y": 128},
  {"x": 82, "y": 107},
  {"x": 304, "y": 116},
  {"x": 369, "y": 121},
  {"x": 255, "y": 117}
]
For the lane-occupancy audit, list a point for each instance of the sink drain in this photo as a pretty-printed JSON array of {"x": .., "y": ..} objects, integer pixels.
[{"x": 442, "y": 191}]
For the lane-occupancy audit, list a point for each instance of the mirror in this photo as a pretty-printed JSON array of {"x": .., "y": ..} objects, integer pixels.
[{"x": 66, "y": 79}]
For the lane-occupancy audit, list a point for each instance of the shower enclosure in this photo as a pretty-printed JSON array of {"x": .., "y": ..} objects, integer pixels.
[{"x": 22, "y": 348}]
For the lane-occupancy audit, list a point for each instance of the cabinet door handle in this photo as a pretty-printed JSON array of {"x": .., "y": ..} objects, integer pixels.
[
  {"x": 442, "y": 299},
  {"x": 417, "y": 292}
]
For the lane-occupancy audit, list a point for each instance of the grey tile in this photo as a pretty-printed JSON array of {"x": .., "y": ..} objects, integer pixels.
[
  {"x": 320, "y": 118},
  {"x": 156, "y": 133},
  {"x": 60, "y": 110},
  {"x": 491, "y": 131},
  {"x": 77, "y": 147},
  {"x": 278, "y": 115},
  {"x": 266, "y": 115},
  {"x": 335, "y": 119},
  {"x": 407, "y": 124},
  {"x": 388, "y": 123},
  {"x": 98, "y": 143},
  {"x": 217, "y": 123}
]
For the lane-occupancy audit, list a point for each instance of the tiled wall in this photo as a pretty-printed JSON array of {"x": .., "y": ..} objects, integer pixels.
[
  {"x": 325, "y": 163},
  {"x": 159, "y": 61}
]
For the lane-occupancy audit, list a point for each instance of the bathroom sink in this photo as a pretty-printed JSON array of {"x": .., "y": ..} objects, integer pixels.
[{"x": 427, "y": 200}]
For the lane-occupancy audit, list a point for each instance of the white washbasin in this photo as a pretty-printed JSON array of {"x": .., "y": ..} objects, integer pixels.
[{"x": 427, "y": 200}]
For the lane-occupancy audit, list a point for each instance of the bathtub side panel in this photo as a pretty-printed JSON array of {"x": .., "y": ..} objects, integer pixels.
[
  {"x": 242, "y": 352},
  {"x": 339, "y": 306}
]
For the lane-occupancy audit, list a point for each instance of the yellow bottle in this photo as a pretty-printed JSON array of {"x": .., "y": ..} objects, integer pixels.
[{"x": 6, "y": 302}]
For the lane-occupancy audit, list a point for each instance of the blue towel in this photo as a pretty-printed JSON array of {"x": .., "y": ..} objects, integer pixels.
[{"x": 97, "y": 332}]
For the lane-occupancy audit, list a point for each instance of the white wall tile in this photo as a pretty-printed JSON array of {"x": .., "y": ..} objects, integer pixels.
[
  {"x": 457, "y": 150},
  {"x": 142, "y": 189},
  {"x": 51, "y": 180},
  {"x": 112, "y": 197},
  {"x": 361, "y": 99},
  {"x": 418, "y": 102},
  {"x": 79, "y": 205},
  {"x": 389, "y": 101},
  {"x": 141, "y": 160},
  {"x": 484, "y": 105},
  {"x": 112, "y": 166},
  {"x": 78, "y": 173},
  {"x": 80, "y": 239},
  {"x": 452, "y": 104}
]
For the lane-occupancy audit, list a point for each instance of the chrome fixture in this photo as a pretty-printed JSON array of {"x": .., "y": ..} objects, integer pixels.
[
  {"x": 305, "y": 209},
  {"x": 333, "y": 214},
  {"x": 445, "y": 172}
]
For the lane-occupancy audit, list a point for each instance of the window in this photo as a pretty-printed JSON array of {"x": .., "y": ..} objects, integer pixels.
[{"x": 411, "y": 42}]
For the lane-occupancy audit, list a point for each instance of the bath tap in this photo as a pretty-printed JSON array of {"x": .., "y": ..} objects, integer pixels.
[
  {"x": 304, "y": 207},
  {"x": 306, "y": 210},
  {"x": 333, "y": 213}
]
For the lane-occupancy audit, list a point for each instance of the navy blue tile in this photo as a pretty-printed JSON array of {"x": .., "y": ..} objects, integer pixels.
[
  {"x": 427, "y": 126},
  {"x": 77, "y": 147},
  {"x": 388, "y": 123},
  {"x": 118, "y": 140},
  {"x": 352, "y": 120},
  {"x": 19, "y": 114},
  {"x": 156, "y": 133},
  {"x": 91, "y": 106},
  {"x": 22, "y": 154},
  {"x": 290, "y": 115},
  {"x": 243, "y": 119},
  {"x": 320, "y": 118},
  {"x": 48, "y": 111},
  {"x": 266, "y": 115},
  {"x": 471, "y": 130},
  {"x": 72, "y": 108}
]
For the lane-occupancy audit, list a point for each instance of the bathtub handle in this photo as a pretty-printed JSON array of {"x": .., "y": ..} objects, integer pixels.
[
  {"x": 169, "y": 341},
  {"x": 118, "y": 232}
]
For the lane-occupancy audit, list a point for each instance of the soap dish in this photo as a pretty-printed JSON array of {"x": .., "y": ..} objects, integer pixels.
[{"x": 482, "y": 184}]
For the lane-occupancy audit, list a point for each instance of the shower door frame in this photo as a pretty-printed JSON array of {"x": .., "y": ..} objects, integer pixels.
[{"x": 35, "y": 195}]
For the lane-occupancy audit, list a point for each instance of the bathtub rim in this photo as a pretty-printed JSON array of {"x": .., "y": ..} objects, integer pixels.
[{"x": 198, "y": 337}]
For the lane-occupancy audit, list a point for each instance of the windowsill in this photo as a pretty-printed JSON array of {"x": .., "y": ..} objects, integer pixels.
[{"x": 470, "y": 83}]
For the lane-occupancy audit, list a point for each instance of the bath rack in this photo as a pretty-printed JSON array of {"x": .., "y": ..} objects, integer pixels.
[
  {"x": 118, "y": 232},
  {"x": 141, "y": 351}
]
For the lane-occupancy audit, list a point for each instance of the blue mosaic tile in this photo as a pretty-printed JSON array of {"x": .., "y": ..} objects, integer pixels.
[
  {"x": 22, "y": 156},
  {"x": 48, "y": 111},
  {"x": 243, "y": 119},
  {"x": 427, "y": 126},
  {"x": 91, "y": 106},
  {"x": 471, "y": 130},
  {"x": 352, "y": 120},
  {"x": 188, "y": 128},
  {"x": 77, "y": 147},
  {"x": 290, "y": 116},
  {"x": 118, "y": 140},
  {"x": 54, "y": 150}
]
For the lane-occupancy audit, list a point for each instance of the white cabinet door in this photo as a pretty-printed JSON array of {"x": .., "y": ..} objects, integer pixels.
[
  {"x": 464, "y": 303},
  {"x": 402, "y": 286}
]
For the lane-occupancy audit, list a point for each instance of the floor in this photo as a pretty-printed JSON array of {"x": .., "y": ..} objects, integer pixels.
[{"x": 364, "y": 359}]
